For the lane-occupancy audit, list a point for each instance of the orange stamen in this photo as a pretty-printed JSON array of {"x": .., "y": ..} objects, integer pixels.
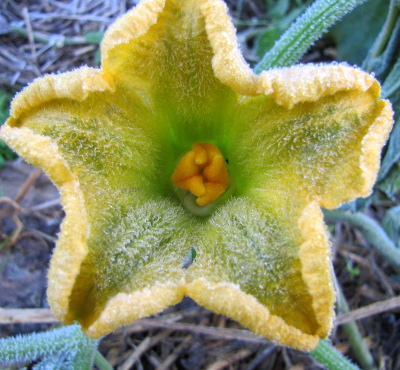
[{"x": 203, "y": 172}]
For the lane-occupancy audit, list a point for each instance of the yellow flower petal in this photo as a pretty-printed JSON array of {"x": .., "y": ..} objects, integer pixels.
[
  {"x": 228, "y": 62},
  {"x": 93, "y": 146},
  {"x": 312, "y": 137},
  {"x": 75, "y": 85},
  {"x": 309, "y": 83},
  {"x": 316, "y": 266},
  {"x": 161, "y": 50},
  {"x": 269, "y": 269},
  {"x": 71, "y": 247},
  {"x": 373, "y": 143},
  {"x": 172, "y": 76},
  {"x": 125, "y": 308},
  {"x": 134, "y": 254}
]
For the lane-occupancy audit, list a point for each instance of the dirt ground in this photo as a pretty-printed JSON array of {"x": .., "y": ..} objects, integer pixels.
[{"x": 185, "y": 336}]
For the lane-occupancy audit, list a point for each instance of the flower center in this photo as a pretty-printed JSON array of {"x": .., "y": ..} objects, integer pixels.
[{"x": 203, "y": 172}]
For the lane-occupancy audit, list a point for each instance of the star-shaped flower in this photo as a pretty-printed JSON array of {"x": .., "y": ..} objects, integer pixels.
[{"x": 175, "y": 145}]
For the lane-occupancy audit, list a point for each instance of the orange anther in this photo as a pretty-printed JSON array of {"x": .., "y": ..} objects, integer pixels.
[
  {"x": 200, "y": 154},
  {"x": 195, "y": 184},
  {"x": 213, "y": 191},
  {"x": 203, "y": 172},
  {"x": 186, "y": 168},
  {"x": 216, "y": 170}
]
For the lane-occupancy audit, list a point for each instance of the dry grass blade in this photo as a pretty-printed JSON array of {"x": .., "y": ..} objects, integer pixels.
[
  {"x": 44, "y": 205},
  {"x": 26, "y": 315},
  {"x": 228, "y": 334},
  {"x": 222, "y": 364},
  {"x": 39, "y": 32},
  {"x": 30, "y": 181},
  {"x": 13, "y": 237},
  {"x": 28, "y": 24},
  {"x": 370, "y": 310},
  {"x": 175, "y": 354},
  {"x": 44, "y": 315},
  {"x": 146, "y": 344},
  {"x": 261, "y": 357}
]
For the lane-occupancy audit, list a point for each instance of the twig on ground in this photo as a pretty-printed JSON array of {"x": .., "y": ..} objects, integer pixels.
[
  {"x": 39, "y": 235},
  {"x": 26, "y": 315},
  {"x": 146, "y": 344},
  {"x": 261, "y": 356},
  {"x": 222, "y": 364},
  {"x": 44, "y": 205},
  {"x": 370, "y": 310},
  {"x": 43, "y": 315},
  {"x": 356, "y": 340},
  {"x": 13, "y": 237},
  {"x": 30, "y": 181},
  {"x": 372, "y": 231},
  {"x": 228, "y": 334},
  {"x": 175, "y": 354},
  {"x": 28, "y": 25}
]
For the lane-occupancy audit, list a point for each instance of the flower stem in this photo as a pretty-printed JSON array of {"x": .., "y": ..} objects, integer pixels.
[
  {"x": 316, "y": 20},
  {"x": 239, "y": 9},
  {"x": 356, "y": 340},
  {"x": 372, "y": 231},
  {"x": 328, "y": 356},
  {"x": 77, "y": 348},
  {"x": 101, "y": 362}
]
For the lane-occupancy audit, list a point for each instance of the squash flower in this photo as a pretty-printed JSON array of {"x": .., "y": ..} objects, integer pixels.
[{"x": 175, "y": 146}]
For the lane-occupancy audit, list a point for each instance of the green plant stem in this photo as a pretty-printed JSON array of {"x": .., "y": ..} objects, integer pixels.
[
  {"x": 101, "y": 362},
  {"x": 86, "y": 353},
  {"x": 34, "y": 346},
  {"x": 328, "y": 356},
  {"x": 356, "y": 340},
  {"x": 386, "y": 32},
  {"x": 239, "y": 9},
  {"x": 372, "y": 231},
  {"x": 70, "y": 341},
  {"x": 304, "y": 32}
]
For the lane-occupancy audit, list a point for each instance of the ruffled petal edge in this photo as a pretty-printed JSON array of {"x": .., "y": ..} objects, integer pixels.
[
  {"x": 311, "y": 82},
  {"x": 230, "y": 300},
  {"x": 77, "y": 85},
  {"x": 72, "y": 244},
  {"x": 125, "y": 308},
  {"x": 314, "y": 253},
  {"x": 131, "y": 25},
  {"x": 372, "y": 145},
  {"x": 228, "y": 62},
  {"x": 316, "y": 266}
]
